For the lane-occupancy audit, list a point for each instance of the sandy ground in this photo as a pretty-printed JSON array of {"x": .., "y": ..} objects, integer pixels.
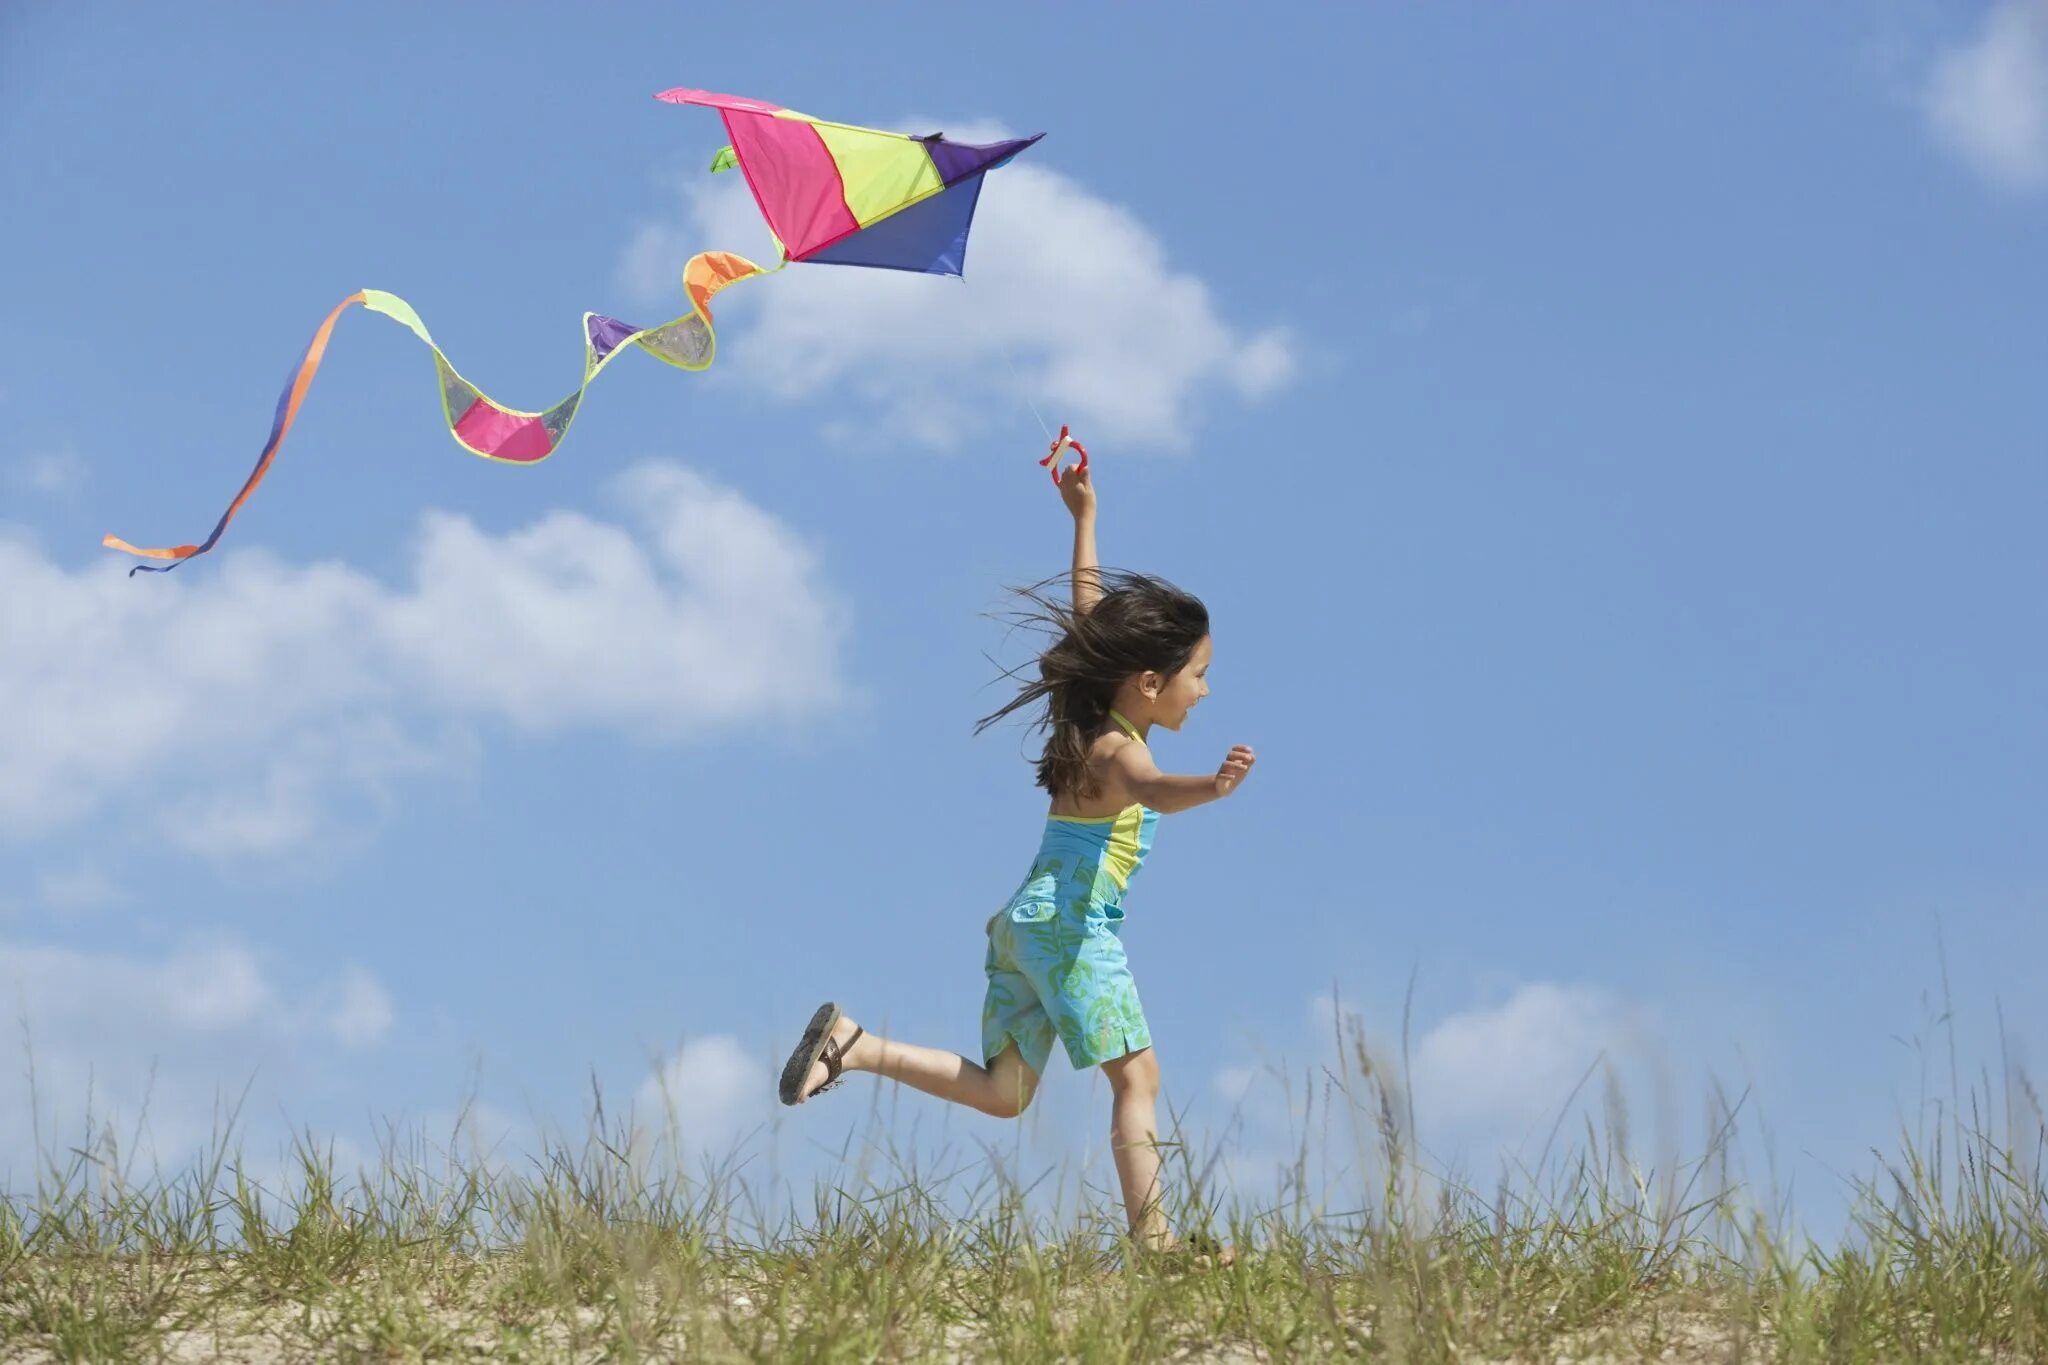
[{"x": 293, "y": 1334}]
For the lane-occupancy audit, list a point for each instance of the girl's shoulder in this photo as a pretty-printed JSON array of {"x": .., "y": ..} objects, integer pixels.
[
  {"x": 1109, "y": 797},
  {"x": 1112, "y": 739},
  {"x": 1105, "y": 747}
]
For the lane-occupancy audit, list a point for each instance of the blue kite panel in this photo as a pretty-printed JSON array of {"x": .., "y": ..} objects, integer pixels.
[{"x": 929, "y": 237}]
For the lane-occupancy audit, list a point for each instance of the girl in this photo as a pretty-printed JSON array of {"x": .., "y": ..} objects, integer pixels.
[{"x": 1130, "y": 655}]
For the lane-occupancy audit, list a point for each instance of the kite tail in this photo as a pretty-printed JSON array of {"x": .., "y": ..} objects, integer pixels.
[
  {"x": 478, "y": 424},
  {"x": 287, "y": 408}
]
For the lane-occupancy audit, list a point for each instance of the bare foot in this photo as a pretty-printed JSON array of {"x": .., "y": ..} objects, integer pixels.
[{"x": 1197, "y": 1253}]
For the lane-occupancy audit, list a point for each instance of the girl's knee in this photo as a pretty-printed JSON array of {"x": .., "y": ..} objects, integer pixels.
[
  {"x": 1009, "y": 1104},
  {"x": 1010, "y": 1100},
  {"x": 1134, "y": 1074},
  {"x": 1012, "y": 1084}
]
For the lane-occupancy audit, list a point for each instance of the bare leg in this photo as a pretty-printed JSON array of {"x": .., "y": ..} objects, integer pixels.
[
  {"x": 1003, "y": 1088},
  {"x": 1134, "y": 1137}
]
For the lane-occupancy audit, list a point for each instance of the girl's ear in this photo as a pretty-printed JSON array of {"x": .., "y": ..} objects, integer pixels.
[{"x": 1151, "y": 685}]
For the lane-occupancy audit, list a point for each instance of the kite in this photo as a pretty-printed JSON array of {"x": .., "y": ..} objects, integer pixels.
[
  {"x": 840, "y": 195},
  {"x": 832, "y": 194}
]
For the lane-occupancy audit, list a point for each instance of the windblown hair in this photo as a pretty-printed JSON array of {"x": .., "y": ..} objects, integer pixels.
[{"x": 1140, "y": 624}]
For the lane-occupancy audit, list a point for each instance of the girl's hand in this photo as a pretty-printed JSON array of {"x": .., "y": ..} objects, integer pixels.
[
  {"x": 1077, "y": 491},
  {"x": 1236, "y": 767}
]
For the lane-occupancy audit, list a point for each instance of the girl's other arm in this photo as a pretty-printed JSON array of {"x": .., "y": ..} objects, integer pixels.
[
  {"x": 1077, "y": 491},
  {"x": 1171, "y": 792}
]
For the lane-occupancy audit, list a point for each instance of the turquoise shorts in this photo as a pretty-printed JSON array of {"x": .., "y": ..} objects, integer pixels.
[{"x": 1059, "y": 968}]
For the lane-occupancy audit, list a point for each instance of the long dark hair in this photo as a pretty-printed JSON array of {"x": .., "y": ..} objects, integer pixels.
[{"x": 1140, "y": 624}]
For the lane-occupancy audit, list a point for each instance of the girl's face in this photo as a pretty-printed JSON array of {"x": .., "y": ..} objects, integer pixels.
[{"x": 1179, "y": 694}]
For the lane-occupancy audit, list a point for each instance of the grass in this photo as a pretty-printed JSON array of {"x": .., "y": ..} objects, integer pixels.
[{"x": 603, "y": 1250}]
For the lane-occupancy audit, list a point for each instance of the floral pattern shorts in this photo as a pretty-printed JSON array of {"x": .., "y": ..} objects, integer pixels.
[{"x": 1058, "y": 969}]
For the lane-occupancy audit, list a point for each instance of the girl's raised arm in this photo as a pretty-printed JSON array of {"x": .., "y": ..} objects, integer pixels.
[{"x": 1077, "y": 491}]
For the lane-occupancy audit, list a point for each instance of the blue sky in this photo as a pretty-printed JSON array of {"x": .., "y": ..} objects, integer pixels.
[{"x": 1609, "y": 441}]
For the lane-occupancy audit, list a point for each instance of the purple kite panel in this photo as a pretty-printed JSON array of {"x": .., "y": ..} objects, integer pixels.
[
  {"x": 958, "y": 160},
  {"x": 606, "y": 334}
]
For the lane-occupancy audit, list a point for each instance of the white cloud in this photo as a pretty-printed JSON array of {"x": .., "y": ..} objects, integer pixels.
[
  {"x": 1233, "y": 1082},
  {"x": 1490, "y": 1082},
  {"x": 712, "y": 616},
  {"x": 118, "y": 1032},
  {"x": 280, "y": 700},
  {"x": 1988, "y": 100},
  {"x": 650, "y": 269},
  {"x": 209, "y": 990},
  {"x": 195, "y": 990},
  {"x": 362, "y": 1012},
  {"x": 1069, "y": 300},
  {"x": 1505, "y": 1069},
  {"x": 321, "y": 781},
  {"x": 711, "y": 1090},
  {"x": 51, "y": 472}
]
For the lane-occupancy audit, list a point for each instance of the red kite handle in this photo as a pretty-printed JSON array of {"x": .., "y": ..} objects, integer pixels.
[{"x": 1059, "y": 447}]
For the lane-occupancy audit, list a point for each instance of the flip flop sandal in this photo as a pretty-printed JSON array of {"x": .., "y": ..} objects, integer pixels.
[{"x": 815, "y": 1046}]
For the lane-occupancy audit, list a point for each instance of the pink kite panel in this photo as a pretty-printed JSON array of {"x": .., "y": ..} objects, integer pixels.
[
  {"x": 794, "y": 177},
  {"x": 684, "y": 95},
  {"x": 503, "y": 434}
]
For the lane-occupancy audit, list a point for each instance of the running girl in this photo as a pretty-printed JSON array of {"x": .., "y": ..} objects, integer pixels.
[{"x": 1132, "y": 653}]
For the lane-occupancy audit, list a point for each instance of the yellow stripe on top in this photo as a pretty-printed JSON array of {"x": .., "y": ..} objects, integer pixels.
[
  {"x": 1120, "y": 858},
  {"x": 1098, "y": 855},
  {"x": 1126, "y": 848},
  {"x": 1123, "y": 850}
]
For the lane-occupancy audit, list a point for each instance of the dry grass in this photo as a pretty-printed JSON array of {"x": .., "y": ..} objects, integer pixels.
[{"x": 599, "y": 1251}]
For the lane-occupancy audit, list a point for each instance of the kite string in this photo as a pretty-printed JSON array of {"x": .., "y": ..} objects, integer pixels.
[
  {"x": 1017, "y": 377},
  {"x": 1022, "y": 391}
]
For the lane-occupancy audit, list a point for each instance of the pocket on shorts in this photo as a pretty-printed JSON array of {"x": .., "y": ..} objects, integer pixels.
[
  {"x": 1105, "y": 917},
  {"x": 1043, "y": 884},
  {"x": 1030, "y": 910}
]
